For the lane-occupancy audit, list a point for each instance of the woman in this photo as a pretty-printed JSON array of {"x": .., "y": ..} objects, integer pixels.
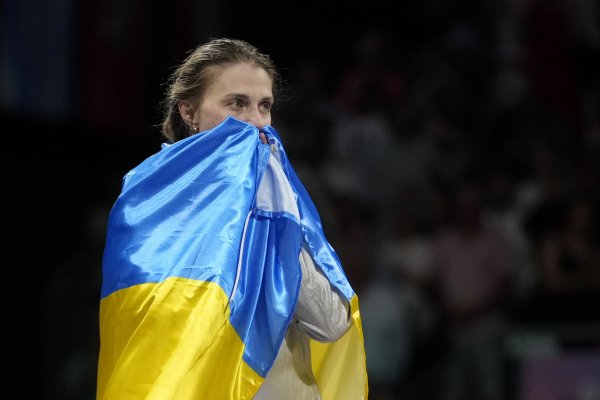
[{"x": 218, "y": 282}]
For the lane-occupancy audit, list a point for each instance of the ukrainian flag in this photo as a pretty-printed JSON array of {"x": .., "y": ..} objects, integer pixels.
[{"x": 201, "y": 277}]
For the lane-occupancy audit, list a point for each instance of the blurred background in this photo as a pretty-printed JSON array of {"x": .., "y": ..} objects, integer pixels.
[{"x": 451, "y": 148}]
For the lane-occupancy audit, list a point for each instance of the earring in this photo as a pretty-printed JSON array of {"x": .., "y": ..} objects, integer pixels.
[{"x": 193, "y": 125}]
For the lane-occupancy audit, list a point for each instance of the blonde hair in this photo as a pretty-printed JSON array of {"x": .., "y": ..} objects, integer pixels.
[{"x": 190, "y": 80}]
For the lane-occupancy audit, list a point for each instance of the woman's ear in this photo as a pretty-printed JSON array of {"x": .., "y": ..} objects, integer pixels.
[{"x": 187, "y": 112}]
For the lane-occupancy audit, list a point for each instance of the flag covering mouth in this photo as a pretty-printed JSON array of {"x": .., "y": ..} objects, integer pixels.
[{"x": 201, "y": 274}]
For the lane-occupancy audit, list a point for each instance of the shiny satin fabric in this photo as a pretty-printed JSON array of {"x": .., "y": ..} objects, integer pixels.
[{"x": 201, "y": 275}]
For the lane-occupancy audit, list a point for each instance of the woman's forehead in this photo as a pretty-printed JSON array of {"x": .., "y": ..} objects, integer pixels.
[{"x": 241, "y": 76}]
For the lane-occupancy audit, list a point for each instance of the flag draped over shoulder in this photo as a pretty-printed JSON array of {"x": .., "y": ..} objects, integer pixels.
[{"x": 201, "y": 275}]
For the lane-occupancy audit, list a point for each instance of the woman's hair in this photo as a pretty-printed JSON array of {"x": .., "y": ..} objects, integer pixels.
[{"x": 190, "y": 80}]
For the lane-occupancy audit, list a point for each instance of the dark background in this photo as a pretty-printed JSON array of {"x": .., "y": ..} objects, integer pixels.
[{"x": 80, "y": 87}]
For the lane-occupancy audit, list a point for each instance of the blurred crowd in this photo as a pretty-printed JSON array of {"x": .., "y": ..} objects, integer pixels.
[
  {"x": 458, "y": 182},
  {"x": 461, "y": 189}
]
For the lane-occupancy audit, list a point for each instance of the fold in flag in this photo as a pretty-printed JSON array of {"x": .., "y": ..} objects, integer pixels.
[{"x": 201, "y": 274}]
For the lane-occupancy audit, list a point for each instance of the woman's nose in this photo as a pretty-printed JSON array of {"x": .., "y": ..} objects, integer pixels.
[{"x": 256, "y": 118}]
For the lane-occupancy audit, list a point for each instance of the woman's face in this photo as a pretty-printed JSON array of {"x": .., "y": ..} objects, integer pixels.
[{"x": 243, "y": 91}]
